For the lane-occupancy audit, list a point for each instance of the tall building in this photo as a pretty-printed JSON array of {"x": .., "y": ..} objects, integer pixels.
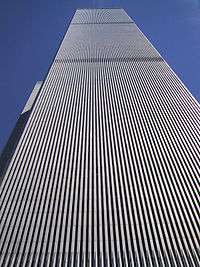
[{"x": 102, "y": 168}]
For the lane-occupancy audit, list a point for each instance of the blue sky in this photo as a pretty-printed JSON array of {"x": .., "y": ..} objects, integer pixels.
[{"x": 32, "y": 30}]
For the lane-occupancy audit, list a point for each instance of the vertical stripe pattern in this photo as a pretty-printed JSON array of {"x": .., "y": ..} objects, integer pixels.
[{"x": 106, "y": 172}]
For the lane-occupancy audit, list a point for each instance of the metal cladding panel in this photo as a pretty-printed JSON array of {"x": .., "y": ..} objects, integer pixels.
[
  {"x": 87, "y": 16},
  {"x": 107, "y": 169},
  {"x": 99, "y": 46}
]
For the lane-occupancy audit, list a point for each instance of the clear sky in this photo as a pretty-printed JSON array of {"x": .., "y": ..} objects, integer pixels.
[{"x": 31, "y": 31}]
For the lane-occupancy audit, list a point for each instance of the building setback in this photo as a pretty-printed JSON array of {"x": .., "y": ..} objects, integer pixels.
[{"x": 106, "y": 170}]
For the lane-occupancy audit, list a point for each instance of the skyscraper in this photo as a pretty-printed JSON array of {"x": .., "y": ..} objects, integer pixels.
[{"x": 103, "y": 165}]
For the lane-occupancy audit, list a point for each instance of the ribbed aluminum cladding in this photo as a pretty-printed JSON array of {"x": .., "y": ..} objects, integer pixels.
[{"x": 107, "y": 170}]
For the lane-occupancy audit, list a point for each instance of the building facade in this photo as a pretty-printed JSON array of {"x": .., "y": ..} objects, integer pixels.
[{"x": 106, "y": 170}]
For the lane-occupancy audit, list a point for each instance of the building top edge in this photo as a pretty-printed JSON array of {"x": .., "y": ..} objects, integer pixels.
[{"x": 88, "y": 8}]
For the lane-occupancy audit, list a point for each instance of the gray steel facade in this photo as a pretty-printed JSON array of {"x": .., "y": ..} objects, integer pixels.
[{"x": 106, "y": 172}]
